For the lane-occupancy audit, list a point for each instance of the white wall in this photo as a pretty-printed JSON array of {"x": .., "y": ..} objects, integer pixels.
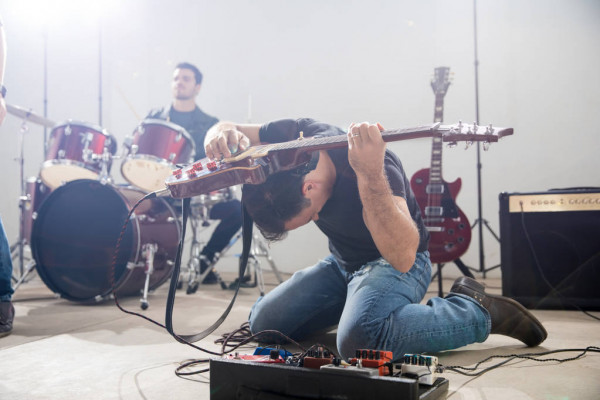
[{"x": 338, "y": 61}]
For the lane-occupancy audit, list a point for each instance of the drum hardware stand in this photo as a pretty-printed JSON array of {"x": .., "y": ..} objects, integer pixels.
[
  {"x": 148, "y": 251},
  {"x": 257, "y": 249},
  {"x": 17, "y": 249},
  {"x": 104, "y": 159},
  {"x": 196, "y": 258}
]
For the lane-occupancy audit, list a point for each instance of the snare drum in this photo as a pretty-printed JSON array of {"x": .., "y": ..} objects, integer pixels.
[
  {"x": 76, "y": 150},
  {"x": 200, "y": 205},
  {"x": 153, "y": 150},
  {"x": 75, "y": 235}
]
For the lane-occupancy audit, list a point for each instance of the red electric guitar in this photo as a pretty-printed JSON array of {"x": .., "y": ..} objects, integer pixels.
[
  {"x": 255, "y": 164},
  {"x": 448, "y": 226}
]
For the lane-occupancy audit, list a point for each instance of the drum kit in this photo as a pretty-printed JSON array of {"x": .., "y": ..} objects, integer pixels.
[{"x": 73, "y": 213}]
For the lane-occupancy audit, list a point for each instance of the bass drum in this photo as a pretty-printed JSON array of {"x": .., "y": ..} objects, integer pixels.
[{"x": 75, "y": 234}]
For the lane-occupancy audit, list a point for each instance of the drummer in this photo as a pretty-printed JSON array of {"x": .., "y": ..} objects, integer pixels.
[{"x": 183, "y": 111}]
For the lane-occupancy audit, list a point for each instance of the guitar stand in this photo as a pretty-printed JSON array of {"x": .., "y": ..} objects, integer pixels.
[{"x": 461, "y": 266}]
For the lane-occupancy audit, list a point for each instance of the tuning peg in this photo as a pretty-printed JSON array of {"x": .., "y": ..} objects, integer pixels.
[
  {"x": 489, "y": 129},
  {"x": 486, "y": 145},
  {"x": 475, "y": 127},
  {"x": 452, "y": 145},
  {"x": 468, "y": 144}
]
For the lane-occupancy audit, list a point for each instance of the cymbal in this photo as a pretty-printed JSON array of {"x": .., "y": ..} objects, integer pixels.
[{"x": 29, "y": 115}]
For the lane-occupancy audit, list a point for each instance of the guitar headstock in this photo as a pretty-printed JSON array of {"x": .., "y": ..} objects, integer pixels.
[
  {"x": 472, "y": 133},
  {"x": 441, "y": 80}
]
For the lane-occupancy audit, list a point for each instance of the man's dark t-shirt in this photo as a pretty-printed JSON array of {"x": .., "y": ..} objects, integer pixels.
[{"x": 341, "y": 217}]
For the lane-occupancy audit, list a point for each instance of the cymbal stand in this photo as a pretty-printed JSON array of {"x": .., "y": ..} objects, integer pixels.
[
  {"x": 17, "y": 249},
  {"x": 480, "y": 222}
]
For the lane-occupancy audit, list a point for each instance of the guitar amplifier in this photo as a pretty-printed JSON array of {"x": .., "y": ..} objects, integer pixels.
[{"x": 550, "y": 248}]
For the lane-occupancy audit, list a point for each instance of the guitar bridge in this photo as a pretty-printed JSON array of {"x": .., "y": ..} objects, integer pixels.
[{"x": 434, "y": 211}]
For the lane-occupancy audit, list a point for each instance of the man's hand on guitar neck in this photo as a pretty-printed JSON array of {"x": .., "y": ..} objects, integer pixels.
[{"x": 227, "y": 138}]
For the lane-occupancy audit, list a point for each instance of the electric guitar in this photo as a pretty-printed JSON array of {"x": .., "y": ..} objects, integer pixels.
[
  {"x": 448, "y": 226},
  {"x": 255, "y": 164}
]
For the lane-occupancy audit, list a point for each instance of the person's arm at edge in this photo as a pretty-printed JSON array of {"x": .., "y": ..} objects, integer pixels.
[{"x": 2, "y": 66}]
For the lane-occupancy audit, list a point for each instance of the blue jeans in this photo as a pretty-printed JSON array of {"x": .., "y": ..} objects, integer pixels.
[
  {"x": 376, "y": 307},
  {"x": 6, "y": 290}
]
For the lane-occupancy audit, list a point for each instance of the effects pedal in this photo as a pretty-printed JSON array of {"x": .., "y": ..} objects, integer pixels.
[
  {"x": 274, "y": 357},
  {"x": 420, "y": 367},
  {"x": 377, "y": 359},
  {"x": 315, "y": 359}
]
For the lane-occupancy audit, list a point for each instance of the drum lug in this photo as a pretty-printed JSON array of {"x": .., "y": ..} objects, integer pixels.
[
  {"x": 178, "y": 137},
  {"x": 68, "y": 130},
  {"x": 132, "y": 265},
  {"x": 172, "y": 157},
  {"x": 134, "y": 149},
  {"x": 61, "y": 154},
  {"x": 87, "y": 154}
]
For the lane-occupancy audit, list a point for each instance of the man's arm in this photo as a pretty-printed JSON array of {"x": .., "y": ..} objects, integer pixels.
[
  {"x": 386, "y": 216},
  {"x": 225, "y": 138},
  {"x": 2, "y": 65}
]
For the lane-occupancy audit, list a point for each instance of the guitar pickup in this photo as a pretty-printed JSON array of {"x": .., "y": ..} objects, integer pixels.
[
  {"x": 435, "y": 228},
  {"x": 435, "y": 188},
  {"x": 434, "y": 211}
]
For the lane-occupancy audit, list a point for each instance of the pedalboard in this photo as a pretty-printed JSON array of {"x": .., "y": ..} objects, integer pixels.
[{"x": 240, "y": 378}]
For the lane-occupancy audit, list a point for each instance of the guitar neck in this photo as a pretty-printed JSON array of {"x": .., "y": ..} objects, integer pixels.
[
  {"x": 339, "y": 141},
  {"x": 435, "y": 171}
]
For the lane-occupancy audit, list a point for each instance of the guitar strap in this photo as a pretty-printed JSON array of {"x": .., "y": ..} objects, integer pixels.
[{"x": 246, "y": 241}]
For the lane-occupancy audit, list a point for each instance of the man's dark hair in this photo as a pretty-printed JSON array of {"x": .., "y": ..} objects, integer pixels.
[
  {"x": 193, "y": 68},
  {"x": 274, "y": 202}
]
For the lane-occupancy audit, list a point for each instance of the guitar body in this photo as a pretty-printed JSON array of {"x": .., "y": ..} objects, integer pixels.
[{"x": 450, "y": 232}]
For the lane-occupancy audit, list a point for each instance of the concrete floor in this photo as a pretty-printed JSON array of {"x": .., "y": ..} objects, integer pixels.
[{"x": 65, "y": 350}]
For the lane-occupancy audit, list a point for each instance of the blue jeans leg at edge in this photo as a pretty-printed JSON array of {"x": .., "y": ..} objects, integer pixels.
[
  {"x": 6, "y": 267},
  {"x": 382, "y": 311},
  {"x": 310, "y": 301}
]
